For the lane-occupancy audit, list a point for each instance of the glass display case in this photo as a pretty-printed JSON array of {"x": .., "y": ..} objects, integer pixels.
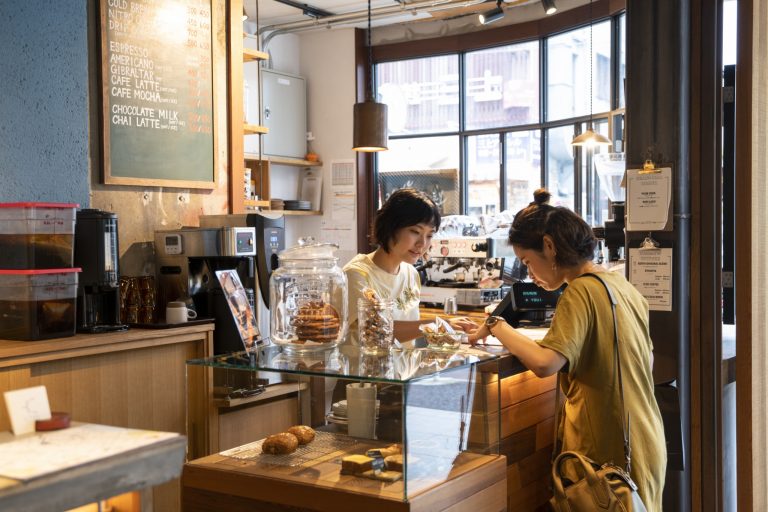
[{"x": 392, "y": 426}]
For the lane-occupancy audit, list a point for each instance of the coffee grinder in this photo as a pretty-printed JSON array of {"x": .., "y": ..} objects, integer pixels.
[{"x": 98, "y": 289}]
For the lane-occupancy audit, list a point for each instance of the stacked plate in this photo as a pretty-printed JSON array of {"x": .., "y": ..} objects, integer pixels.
[
  {"x": 298, "y": 205},
  {"x": 276, "y": 204},
  {"x": 338, "y": 412}
]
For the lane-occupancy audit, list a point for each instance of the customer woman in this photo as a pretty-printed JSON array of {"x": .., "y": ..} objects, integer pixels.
[
  {"x": 403, "y": 229},
  {"x": 557, "y": 246}
]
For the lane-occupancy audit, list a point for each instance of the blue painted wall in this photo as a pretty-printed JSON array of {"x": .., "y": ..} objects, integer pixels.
[{"x": 44, "y": 101}]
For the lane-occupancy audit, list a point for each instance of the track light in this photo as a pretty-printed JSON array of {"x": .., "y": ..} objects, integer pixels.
[
  {"x": 494, "y": 14},
  {"x": 549, "y": 6}
]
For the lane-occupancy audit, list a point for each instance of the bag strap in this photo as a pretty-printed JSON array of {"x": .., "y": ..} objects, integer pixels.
[{"x": 624, "y": 415}]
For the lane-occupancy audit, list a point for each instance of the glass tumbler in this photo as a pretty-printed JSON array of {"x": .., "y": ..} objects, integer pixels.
[{"x": 376, "y": 327}]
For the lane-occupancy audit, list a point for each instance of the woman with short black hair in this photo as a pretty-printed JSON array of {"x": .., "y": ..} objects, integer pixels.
[{"x": 403, "y": 229}]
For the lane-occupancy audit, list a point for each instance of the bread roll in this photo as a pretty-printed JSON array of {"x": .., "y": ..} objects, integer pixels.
[
  {"x": 303, "y": 433},
  {"x": 280, "y": 444}
]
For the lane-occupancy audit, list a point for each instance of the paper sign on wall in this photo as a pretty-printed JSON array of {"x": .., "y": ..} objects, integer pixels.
[
  {"x": 649, "y": 199},
  {"x": 650, "y": 271}
]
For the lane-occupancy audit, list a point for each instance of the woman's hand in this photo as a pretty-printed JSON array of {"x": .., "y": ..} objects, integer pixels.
[
  {"x": 463, "y": 323},
  {"x": 479, "y": 334}
]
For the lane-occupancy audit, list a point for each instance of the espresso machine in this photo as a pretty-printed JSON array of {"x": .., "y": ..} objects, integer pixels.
[
  {"x": 187, "y": 260},
  {"x": 98, "y": 289},
  {"x": 462, "y": 268}
]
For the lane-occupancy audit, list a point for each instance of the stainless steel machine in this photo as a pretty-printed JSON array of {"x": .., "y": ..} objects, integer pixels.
[
  {"x": 186, "y": 261},
  {"x": 269, "y": 229},
  {"x": 462, "y": 268}
]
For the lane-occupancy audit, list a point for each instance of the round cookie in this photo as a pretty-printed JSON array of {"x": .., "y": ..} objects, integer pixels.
[
  {"x": 303, "y": 433},
  {"x": 280, "y": 444}
]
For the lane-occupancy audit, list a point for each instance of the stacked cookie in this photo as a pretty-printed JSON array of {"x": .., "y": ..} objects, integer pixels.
[{"x": 317, "y": 322}]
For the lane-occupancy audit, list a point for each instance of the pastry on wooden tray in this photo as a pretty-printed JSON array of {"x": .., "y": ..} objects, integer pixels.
[
  {"x": 356, "y": 464},
  {"x": 280, "y": 444},
  {"x": 303, "y": 433},
  {"x": 394, "y": 462}
]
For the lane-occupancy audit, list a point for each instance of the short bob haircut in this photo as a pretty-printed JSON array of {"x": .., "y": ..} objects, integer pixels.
[
  {"x": 405, "y": 207},
  {"x": 573, "y": 238}
]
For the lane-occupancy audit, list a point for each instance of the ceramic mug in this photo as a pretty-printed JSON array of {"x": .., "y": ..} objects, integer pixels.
[{"x": 177, "y": 312}]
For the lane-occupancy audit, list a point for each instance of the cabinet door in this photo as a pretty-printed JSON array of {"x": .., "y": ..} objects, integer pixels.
[{"x": 284, "y": 113}]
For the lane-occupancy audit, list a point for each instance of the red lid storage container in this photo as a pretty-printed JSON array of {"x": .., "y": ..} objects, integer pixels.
[
  {"x": 38, "y": 304},
  {"x": 37, "y": 235}
]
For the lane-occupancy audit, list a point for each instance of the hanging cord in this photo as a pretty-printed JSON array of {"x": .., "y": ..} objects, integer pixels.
[
  {"x": 369, "y": 92},
  {"x": 590, "y": 64}
]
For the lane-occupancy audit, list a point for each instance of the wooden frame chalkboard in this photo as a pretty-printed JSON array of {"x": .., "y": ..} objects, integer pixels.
[{"x": 158, "y": 127}]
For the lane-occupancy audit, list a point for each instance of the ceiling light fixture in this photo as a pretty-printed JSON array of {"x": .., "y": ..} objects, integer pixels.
[
  {"x": 549, "y": 7},
  {"x": 590, "y": 138},
  {"x": 494, "y": 14},
  {"x": 370, "y": 118}
]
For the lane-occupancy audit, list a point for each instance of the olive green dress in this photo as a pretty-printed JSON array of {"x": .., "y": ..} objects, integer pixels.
[{"x": 582, "y": 331}]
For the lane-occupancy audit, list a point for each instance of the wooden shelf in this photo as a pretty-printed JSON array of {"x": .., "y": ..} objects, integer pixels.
[
  {"x": 250, "y": 55},
  {"x": 285, "y": 212},
  {"x": 273, "y": 391},
  {"x": 283, "y": 160},
  {"x": 253, "y": 129},
  {"x": 255, "y": 203}
]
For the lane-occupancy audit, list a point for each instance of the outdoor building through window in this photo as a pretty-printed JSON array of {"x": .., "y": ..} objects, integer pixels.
[{"x": 480, "y": 130}]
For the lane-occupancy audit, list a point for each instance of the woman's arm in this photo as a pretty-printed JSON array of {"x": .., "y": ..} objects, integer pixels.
[
  {"x": 406, "y": 330},
  {"x": 540, "y": 360}
]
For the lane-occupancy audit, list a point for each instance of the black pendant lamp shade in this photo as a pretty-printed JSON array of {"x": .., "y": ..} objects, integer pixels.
[{"x": 370, "y": 118}]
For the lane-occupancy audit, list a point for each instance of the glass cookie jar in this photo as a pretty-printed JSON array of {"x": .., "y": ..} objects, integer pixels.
[{"x": 308, "y": 293}]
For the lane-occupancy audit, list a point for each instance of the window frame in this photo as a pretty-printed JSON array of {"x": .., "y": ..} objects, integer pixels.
[{"x": 460, "y": 46}]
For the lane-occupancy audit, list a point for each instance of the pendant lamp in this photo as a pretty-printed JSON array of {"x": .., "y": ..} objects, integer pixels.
[
  {"x": 590, "y": 138},
  {"x": 370, "y": 118}
]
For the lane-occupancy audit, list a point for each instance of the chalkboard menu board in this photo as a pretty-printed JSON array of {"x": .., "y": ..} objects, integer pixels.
[{"x": 157, "y": 93}]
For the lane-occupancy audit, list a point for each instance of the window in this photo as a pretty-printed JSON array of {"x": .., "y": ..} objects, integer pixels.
[
  {"x": 422, "y": 95},
  {"x": 502, "y": 86},
  {"x": 478, "y": 118}
]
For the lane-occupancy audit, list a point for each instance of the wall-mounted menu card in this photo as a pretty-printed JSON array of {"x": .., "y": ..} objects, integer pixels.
[{"x": 156, "y": 76}]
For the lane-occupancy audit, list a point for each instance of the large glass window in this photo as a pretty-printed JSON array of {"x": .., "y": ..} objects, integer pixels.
[
  {"x": 483, "y": 178},
  {"x": 568, "y": 72},
  {"x": 422, "y": 95},
  {"x": 469, "y": 128},
  {"x": 560, "y": 169},
  {"x": 502, "y": 86}
]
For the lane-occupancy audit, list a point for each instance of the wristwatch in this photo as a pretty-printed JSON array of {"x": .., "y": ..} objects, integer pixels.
[{"x": 491, "y": 321}]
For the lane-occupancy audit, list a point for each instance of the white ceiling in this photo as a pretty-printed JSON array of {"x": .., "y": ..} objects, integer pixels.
[{"x": 271, "y": 12}]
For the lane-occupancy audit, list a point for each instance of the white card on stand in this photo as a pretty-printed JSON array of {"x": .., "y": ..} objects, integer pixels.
[{"x": 25, "y": 406}]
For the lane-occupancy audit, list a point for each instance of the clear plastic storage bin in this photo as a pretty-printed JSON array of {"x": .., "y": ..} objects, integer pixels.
[
  {"x": 37, "y": 235},
  {"x": 38, "y": 304}
]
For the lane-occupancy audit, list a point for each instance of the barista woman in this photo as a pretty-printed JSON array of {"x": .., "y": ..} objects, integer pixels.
[
  {"x": 403, "y": 229},
  {"x": 557, "y": 246}
]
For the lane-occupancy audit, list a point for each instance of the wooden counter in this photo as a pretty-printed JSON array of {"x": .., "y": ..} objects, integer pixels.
[
  {"x": 133, "y": 379},
  {"x": 527, "y": 421},
  {"x": 477, "y": 482}
]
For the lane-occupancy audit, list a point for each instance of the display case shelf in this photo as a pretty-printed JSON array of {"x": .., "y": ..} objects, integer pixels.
[{"x": 439, "y": 409}]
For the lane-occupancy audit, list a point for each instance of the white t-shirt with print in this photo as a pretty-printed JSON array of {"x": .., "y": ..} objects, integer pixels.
[{"x": 404, "y": 288}]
